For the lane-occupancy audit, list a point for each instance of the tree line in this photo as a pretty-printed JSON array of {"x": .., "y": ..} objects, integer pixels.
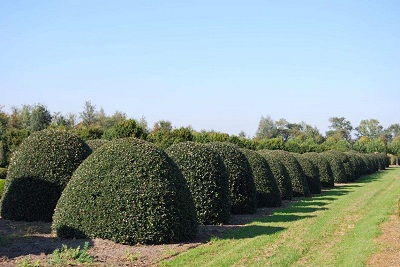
[{"x": 93, "y": 123}]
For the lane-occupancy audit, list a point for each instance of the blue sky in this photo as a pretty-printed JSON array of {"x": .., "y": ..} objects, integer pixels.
[{"x": 210, "y": 64}]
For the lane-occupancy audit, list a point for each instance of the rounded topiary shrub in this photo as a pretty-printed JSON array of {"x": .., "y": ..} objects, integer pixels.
[
  {"x": 296, "y": 174},
  {"x": 375, "y": 162},
  {"x": 382, "y": 160},
  {"x": 94, "y": 144},
  {"x": 268, "y": 194},
  {"x": 311, "y": 173},
  {"x": 369, "y": 165},
  {"x": 281, "y": 175},
  {"x": 241, "y": 181},
  {"x": 348, "y": 167},
  {"x": 127, "y": 191},
  {"x": 324, "y": 169},
  {"x": 205, "y": 173},
  {"x": 335, "y": 161},
  {"x": 38, "y": 172},
  {"x": 357, "y": 163}
]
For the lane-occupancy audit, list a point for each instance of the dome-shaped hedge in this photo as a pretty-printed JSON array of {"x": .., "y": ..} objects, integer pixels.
[
  {"x": 311, "y": 173},
  {"x": 369, "y": 165},
  {"x": 268, "y": 194},
  {"x": 324, "y": 169},
  {"x": 336, "y": 163},
  {"x": 38, "y": 172},
  {"x": 348, "y": 167},
  {"x": 94, "y": 144},
  {"x": 281, "y": 175},
  {"x": 205, "y": 173},
  {"x": 296, "y": 174},
  {"x": 241, "y": 181},
  {"x": 357, "y": 163},
  {"x": 127, "y": 191}
]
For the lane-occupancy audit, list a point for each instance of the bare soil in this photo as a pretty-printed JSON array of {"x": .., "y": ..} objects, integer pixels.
[{"x": 20, "y": 240}]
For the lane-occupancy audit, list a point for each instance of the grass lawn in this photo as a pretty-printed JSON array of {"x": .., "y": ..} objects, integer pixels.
[{"x": 336, "y": 228}]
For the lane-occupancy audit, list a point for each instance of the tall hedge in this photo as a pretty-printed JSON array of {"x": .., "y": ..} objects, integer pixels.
[
  {"x": 296, "y": 174},
  {"x": 280, "y": 173},
  {"x": 324, "y": 168},
  {"x": 268, "y": 194},
  {"x": 357, "y": 163},
  {"x": 38, "y": 172},
  {"x": 369, "y": 165},
  {"x": 311, "y": 173},
  {"x": 206, "y": 176},
  {"x": 241, "y": 181},
  {"x": 127, "y": 191},
  {"x": 337, "y": 167}
]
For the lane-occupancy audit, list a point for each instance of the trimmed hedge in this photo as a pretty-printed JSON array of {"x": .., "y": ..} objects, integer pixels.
[
  {"x": 296, "y": 174},
  {"x": 241, "y": 181},
  {"x": 357, "y": 163},
  {"x": 324, "y": 168},
  {"x": 94, "y": 144},
  {"x": 127, "y": 191},
  {"x": 38, "y": 172},
  {"x": 348, "y": 167},
  {"x": 268, "y": 194},
  {"x": 206, "y": 176},
  {"x": 280, "y": 173},
  {"x": 337, "y": 167},
  {"x": 369, "y": 164},
  {"x": 311, "y": 173}
]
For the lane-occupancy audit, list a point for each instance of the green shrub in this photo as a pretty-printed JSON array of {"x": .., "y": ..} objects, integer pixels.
[
  {"x": 94, "y": 144},
  {"x": 369, "y": 164},
  {"x": 337, "y": 167},
  {"x": 127, "y": 191},
  {"x": 38, "y": 172},
  {"x": 125, "y": 128},
  {"x": 205, "y": 173},
  {"x": 348, "y": 167},
  {"x": 296, "y": 174},
  {"x": 241, "y": 181},
  {"x": 2, "y": 181},
  {"x": 324, "y": 168},
  {"x": 375, "y": 162},
  {"x": 311, "y": 173},
  {"x": 3, "y": 173},
  {"x": 281, "y": 175},
  {"x": 268, "y": 194},
  {"x": 382, "y": 160},
  {"x": 357, "y": 163}
]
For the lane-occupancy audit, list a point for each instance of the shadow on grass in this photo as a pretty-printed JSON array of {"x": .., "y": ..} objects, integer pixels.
[{"x": 251, "y": 231}]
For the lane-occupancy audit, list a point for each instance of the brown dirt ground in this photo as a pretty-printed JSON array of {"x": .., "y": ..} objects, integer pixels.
[{"x": 20, "y": 240}]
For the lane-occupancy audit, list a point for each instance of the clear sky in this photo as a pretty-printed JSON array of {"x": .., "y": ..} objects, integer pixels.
[{"x": 217, "y": 65}]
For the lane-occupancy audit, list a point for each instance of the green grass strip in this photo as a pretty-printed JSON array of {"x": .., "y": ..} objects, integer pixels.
[{"x": 335, "y": 228}]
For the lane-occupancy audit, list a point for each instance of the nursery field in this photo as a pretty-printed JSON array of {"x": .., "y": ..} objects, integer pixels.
[
  {"x": 336, "y": 228},
  {"x": 350, "y": 225}
]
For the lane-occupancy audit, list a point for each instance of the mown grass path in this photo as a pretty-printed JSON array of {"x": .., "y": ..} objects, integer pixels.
[{"x": 336, "y": 228}]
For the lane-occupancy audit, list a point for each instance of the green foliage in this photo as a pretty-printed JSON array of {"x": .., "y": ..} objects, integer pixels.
[
  {"x": 89, "y": 132},
  {"x": 127, "y": 191},
  {"x": 71, "y": 256},
  {"x": 268, "y": 194},
  {"x": 96, "y": 143},
  {"x": 348, "y": 167},
  {"x": 2, "y": 182},
  {"x": 324, "y": 168},
  {"x": 311, "y": 173},
  {"x": 164, "y": 138},
  {"x": 27, "y": 262},
  {"x": 38, "y": 172},
  {"x": 241, "y": 181},
  {"x": 280, "y": 174},
  {"x": 125, "y": 128},
  {"x": 368, "y": 162},
  {"x": 270, "y": 143},
  {"x": 337, "y": 167},
  {"x": 357, "y": 163},
  {"x": 3, "y": 154},
  {"x": 205, "y": 173},
  {"x": 296, "y": 174},
  {"x": 13, "y": 139},
  {"x": 3, "y": 173}
]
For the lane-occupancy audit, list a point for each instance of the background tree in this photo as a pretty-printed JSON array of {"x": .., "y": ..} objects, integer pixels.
[
  {"x": 40, "y": 118},
  {"x": 340, "y": 128},
  {"x": 266, "y": 128},
  {"x": 392, "y": 131},
  {"x": 369, "y": 128},
  {"x": 88, "y": 115}
]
